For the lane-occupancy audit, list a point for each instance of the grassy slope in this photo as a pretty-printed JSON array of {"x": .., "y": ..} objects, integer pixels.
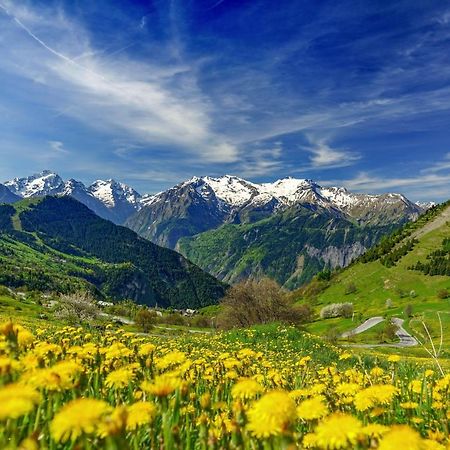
[
  {"x": 376, "y": 283},
  {"x": 39, "y": 250}
]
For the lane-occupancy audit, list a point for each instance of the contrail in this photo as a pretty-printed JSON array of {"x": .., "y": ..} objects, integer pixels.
[{"x": 50, "y": 49}]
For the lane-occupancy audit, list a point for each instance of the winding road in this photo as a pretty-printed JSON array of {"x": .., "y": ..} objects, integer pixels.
[{"x": 406, "y": 340}]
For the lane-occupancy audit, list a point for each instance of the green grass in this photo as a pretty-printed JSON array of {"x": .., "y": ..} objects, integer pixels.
[{"x": 376, "y": 283}]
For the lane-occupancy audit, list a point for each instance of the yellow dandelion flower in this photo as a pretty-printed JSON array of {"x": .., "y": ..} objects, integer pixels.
[
  {"x": 375, "y": 430},
  {"x": 162, "y": 385},
  {"x": 379, "y": 394},
  {"x": 377, "y": 372},
  {"x": 394, "y": 358},
  {"x": 7, "y": 365},
  {"x": 409, "y": 405},
  {"x": 120, "y": 378},
  {"x": 169, "y": 360},
  {"x": 246, "y": 388},
  {"x": 401, "y": 436},
  {"x": 271, "y": 415},
  {"x": 146, "y": 349},
  {"x": 344, "y": 356},
  {"x": 428, "y": 444},
  {"x": 313, "y": 408},
  {"x": 83, "y": 415},
  {"x": 16, "y": 400},
  {"x": 338, "y": 431}
]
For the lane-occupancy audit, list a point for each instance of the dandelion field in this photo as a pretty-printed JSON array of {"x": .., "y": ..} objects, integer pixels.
[{"x": 267, "y": 388}]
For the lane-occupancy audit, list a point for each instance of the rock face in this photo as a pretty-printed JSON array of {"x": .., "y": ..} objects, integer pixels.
[{"x": 334, "y": 256}]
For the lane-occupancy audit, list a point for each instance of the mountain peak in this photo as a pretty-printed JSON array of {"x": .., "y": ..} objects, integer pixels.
[{"x": 37, "y": 185}]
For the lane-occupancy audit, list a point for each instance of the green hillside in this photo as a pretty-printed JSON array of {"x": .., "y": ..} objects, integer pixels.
[
  {"x": 384, "y": 281},
  {"x": 290, "y": 247},
  {"x": 58, "y": 244}
]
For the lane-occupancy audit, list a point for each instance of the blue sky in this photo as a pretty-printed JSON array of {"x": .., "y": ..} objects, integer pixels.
[{"x": 355, "y": 93}]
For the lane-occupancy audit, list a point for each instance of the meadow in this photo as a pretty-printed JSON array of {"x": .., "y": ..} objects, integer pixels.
[{"x": 268, "y": 387}]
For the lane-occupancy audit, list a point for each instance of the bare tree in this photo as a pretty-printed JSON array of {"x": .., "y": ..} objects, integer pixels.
[
  {"x": 254, "y": 302},
  {"x": 77, "y": 308}
]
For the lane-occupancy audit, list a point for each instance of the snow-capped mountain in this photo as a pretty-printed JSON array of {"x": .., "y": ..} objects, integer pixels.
[
  {"x": 37, "y": 185},
  {"x": 108, "y": 199},
  {"x": 426, "y": 205},
  {"x": 120, "y": 199},
  {"x": 203, "y": 203}
]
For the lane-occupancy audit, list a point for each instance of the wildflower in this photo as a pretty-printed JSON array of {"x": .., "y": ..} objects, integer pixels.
[
  {"x": 271, "y": 415},
  {"x": 83, "y": 415},
  {"x": 7, "y": 365},
  {"x": 140, "y": 413},
  {"x": 375, "y": 395},
  {"x": 119, "y": 378},
  {"x": 169, "y": 360},
  {"x": 401, "y": 436},
  {"x": 147, "y": 349},
  {"x": 338, "y": 431},
  {"x": 394, "y": 358},
  {"x": 16, "y": 400},
  {"x": 344, "y": 356},
  {"x": 246, "y": 388},
  {"x": 162, "y": 385},
  {"x": 409, "y": 405},
  {"x": 375, "y": 430},
  {"x": 311, "y": 409}
]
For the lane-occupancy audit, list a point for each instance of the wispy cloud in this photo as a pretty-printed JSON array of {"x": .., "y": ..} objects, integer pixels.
[
  {"x": 325, "y": 157},
  {"x": 58, "y": 147},
  {"x": 129, "y": 96},
  {"x": 420, "y": 187}
]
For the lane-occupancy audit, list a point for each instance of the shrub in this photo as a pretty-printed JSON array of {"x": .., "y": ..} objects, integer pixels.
[
  {"x": 256, "y": 302},
  {"x": 337, "y": 310},
  {"x": 408, "y": 310},
  {"x": 350, "y": 289},
  {"x": 388, "y": 333},
  {"x": 145, "y": 319},
  {"x": 77, "y": 308},
  {"x": 443, "y": 294},
  {"x": 173, "y": 319}
]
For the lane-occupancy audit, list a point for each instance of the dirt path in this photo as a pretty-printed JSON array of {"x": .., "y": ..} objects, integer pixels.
[{"x": 436, "y": 223}]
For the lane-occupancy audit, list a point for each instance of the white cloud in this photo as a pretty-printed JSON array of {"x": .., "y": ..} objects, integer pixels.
[
  {"x": 326, "y": 157},
  {"x": 58, "y": 147},
  {"x": 261, "y": 160},
  {"x": 420, "y": 187},
  {"x": 155, "y": 103}
]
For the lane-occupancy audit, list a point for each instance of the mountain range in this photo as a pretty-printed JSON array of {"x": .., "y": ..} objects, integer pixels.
[
  {"x": 109, "y": 199},
  {"x": 233, "y": 228}
]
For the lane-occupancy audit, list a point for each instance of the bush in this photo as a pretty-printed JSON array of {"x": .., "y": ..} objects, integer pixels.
[
  {"x": 408, "y": 310},
  {"x": 337, "y": 310},
  {"x": 173, "y": 319},
  {"x": 388, "y": 333},
  {"x": 256, "y": 302},
  {"x": 443, "y": 294},
  {"x": 145, "y": 319},
  {"x": 77, "y": 308},
  {"x": 350, "y": 289}
]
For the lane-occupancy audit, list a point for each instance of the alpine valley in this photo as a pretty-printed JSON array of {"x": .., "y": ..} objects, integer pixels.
[{"x": 232, "y": 228}]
